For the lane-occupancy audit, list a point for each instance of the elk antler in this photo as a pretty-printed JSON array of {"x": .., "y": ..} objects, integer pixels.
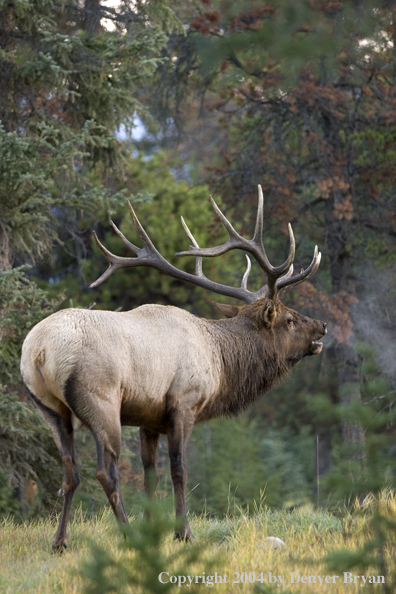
[
  {"x": 279, "y": 277},
  {"x": 150, "y": 256}
]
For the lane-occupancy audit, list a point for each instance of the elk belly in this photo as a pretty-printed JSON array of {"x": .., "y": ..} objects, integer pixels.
[{"x": 137, "y": 413}]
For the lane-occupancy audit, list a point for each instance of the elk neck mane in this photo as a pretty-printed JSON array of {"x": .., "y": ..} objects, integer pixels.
[{"x": 251, "y": 365}]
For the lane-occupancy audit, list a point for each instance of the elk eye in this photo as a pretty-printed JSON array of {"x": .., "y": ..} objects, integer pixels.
[{"x": 290, "y": 321}]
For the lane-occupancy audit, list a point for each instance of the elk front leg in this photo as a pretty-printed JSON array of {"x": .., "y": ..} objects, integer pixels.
[{"x": 178, "y": 434}]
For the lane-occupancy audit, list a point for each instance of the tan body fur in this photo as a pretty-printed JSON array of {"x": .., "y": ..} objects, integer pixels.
[{"x": 155, "y": 357}]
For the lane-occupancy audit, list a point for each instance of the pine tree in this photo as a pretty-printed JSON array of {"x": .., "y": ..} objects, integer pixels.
[{"x": 72, "y": 74}]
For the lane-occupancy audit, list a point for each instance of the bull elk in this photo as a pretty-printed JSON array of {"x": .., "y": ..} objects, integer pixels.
[{"x": 161, "y": 368}]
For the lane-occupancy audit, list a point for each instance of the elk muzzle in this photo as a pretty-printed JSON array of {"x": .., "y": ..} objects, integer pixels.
[{"x": 316, "y": 347}]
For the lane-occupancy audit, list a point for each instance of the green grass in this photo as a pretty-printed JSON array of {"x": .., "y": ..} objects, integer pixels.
[{"x": 229, "y": 545}]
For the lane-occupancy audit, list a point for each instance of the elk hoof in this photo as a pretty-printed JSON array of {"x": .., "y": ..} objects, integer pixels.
[{"x": 59, "y": 548}]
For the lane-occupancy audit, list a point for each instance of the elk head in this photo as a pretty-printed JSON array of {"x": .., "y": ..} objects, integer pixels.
[{"x": 293, "y": 334}]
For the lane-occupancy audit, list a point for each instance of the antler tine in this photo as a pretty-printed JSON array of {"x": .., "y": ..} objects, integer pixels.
[
  {"x": 289, "y": 280},
  {"x": 258, "y": 230},
  {"x": 198, "y": 259},
  {"x": 141, "y": 232},
  {"x": 289, "y": 272},
  {"x": 246, "y": 275},
  {"x": 116, "y": 262},
  {"x": 235, "y": 241},
  {"x": 130, "y": 245},
  {"x": 198, "y": 263},
  {"x": 278, "y": 271},
  {"x": 292, "y": 250},
  {"x": 231, "y": 231},
  {"x": 275, "y": 273}
]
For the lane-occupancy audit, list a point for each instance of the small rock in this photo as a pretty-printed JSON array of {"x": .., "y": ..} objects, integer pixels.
[{"x": 276, "y": 542}]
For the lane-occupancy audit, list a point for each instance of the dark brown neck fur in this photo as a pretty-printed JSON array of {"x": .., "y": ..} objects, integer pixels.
[{"x": 251, "y": 366}]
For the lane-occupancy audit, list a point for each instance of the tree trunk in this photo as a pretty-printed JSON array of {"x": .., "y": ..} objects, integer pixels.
[
  {"x": 347, "y": 359},
  {"x": 5, "y": 252},
  {"x": 322, "y": 446},
  {"x": 348, "y": 364},
  {"x": 7, "y": 63},
  {"x": 92, "y": 16}
]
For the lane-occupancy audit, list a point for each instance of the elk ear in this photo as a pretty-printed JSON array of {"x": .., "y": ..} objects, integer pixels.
[
  {"x": 230, "y": 311},
  {"x": 269, "y": 313}
]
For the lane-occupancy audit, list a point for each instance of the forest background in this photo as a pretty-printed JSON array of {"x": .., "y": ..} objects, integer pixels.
[{"x": 164, "y": 104}]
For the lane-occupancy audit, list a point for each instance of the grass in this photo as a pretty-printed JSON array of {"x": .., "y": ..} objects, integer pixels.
[{"x": 232, "y": 546}]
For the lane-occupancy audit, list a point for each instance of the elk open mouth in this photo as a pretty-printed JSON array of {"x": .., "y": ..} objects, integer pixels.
[{"x": 315, "y": 347}]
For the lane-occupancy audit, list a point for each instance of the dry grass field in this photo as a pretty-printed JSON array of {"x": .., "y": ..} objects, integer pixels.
[{"x": 99, "y": 559}]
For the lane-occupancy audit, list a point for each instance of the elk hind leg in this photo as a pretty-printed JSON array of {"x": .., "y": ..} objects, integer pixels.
[
  {"x": 62, "y": 431},
  {"x": 100, "y": 413},
  {"x": 108, "y": 445},
  {"x": 69, "y": 484}
]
